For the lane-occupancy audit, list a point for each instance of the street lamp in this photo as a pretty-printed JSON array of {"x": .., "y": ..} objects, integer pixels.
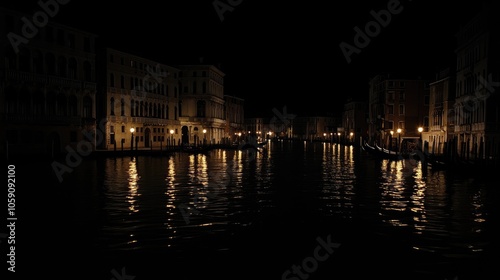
[
  {"x": 420, "y": 129},
  {"x": 132, "y": 130},
  {"x": 399, "y": 137},
  {"x": 172, "y": 137},
  {"x": 324, "y": 136},
  {"x": 204, "y": 136}
]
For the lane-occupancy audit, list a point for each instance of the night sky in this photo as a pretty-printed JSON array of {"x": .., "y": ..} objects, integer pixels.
[{"x": 271, "y": 51}]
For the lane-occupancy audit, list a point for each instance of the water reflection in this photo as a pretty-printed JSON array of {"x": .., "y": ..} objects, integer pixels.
[{"x": 228, "y": 192}]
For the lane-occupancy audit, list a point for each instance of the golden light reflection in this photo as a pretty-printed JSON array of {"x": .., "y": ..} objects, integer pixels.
[
  {"x": 338, "y": 180},
  {"x": 133, "y": 179}
]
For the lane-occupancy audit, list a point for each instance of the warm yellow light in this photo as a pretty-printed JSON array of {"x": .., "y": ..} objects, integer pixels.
[
  {"x": 132, "y": 130},
  {"x": 204, "y": 131},
  {"x": 399, "y": 130},
  {"x": 239, "y": 134},
  {"x": 324, "y": 134},
  {"x": 338, "y": 134},
  {"x": 420, "y": 129},
  {"x": 351, "y": 134},
  {"x": 171, "y": 131},
  {"x": 392, "y": 132}
]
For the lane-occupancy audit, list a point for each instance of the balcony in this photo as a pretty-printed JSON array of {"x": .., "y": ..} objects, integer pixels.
[
  {"x": 26, "y": 77},
  {"x": 42, "y": 119}
]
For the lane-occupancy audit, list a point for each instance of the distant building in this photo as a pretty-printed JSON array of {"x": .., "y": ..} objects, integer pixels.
[
  {"x": 354, "y": 121},
  {"x": 477, "y": 112},
  {"x": 258, "y": 127},
  {"x": 139, "y": 100},
  {"x": 399, "y": 105},
  {"x": 47, "y": 88},
  {"x": 235, "y": 116},
  {"x": 441, "y": 112},
  {"x": 201, "y": 112},
  {"x": 325, "y": 128}
]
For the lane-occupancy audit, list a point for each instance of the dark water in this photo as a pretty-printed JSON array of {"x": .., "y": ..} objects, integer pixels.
[{"x": 237, "y": 215}]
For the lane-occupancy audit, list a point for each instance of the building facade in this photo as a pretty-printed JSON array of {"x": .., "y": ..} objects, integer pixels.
[
  {"x": 441, "y": 112},
  {"x": 398, "y": 107},
  {"x": 354, "y": 121},
  {"x": 477, "y": 74},
  {"x": 318, "y": 128},
  {"x": 235, "y": 116},
  {"x": 138, "y": 102},
  {"x": 47, "y": 89},
  {"x": 202, "y": 113}
]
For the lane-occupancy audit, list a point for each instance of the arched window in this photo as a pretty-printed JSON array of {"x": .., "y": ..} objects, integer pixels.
[
  {"x": 38, "y": 103},
  {"x": 112, "y": 106},
  {"x": 61, "y": 105},
  {"x": 87, "y": 107},
  {"x": 72, "y": 68},
  {"x": 132, "y": 106},
  {"x": 73, "y": 106},
  {"x": 122, "y": 107},
  {"x": 201, "y": 108},
  {"x": 87, "y": 71},
  {"x": 166, "y": 112},
  {"x": 51, "y": 103}
]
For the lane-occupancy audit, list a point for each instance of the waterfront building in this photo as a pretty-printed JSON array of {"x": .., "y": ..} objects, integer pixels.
[
  {"x": 201, "y": 109},
  {"x": 138, "y": 102},
  {"x": 47, "y": 89},
  {"x": 398, "y": 108}
]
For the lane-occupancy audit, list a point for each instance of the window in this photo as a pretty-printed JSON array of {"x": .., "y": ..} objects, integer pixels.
[
  {"x": 87, "y": 71},
  {"x": 175, "y": 113},
  {"x": 194, "y": 87},
  {"x": 122, "y": 107},
  {"x": 390, "y": 96},
  {"x": 200, "y": 108},
  {"x": 401, "y": 109},
  {"x": 111, "y": 80},
  {"x": 204, "y": 87},
  {"x": 123, "y": 128},
  {"x": 132, "y": 106},
  {"x": 390, "y": 109},
  {"x": 401, "y": 125},
  {"x": 122, "y": 81},
  {"x": 389, "y": 125},
  {"x": 86, "y": 44},
  {"x": 112, "y": 106},
  {"x": 402, "y": 95},
  {"x": 402, "y": 84},
  {"x": 87, "y": 107}
]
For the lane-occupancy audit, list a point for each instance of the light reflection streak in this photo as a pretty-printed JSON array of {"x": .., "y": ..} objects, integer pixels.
[
  {"x": 133, "y": 179},
  {"x": 338, "y": 179}
]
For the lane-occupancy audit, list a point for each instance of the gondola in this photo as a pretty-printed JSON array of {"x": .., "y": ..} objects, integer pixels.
[{"x": 381, "y": 152}]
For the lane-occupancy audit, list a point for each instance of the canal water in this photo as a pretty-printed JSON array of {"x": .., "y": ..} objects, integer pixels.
[{"x": 294, "y": 211}]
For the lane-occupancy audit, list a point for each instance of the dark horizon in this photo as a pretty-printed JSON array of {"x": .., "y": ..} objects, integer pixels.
[{"x": 272, "y": 52}]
